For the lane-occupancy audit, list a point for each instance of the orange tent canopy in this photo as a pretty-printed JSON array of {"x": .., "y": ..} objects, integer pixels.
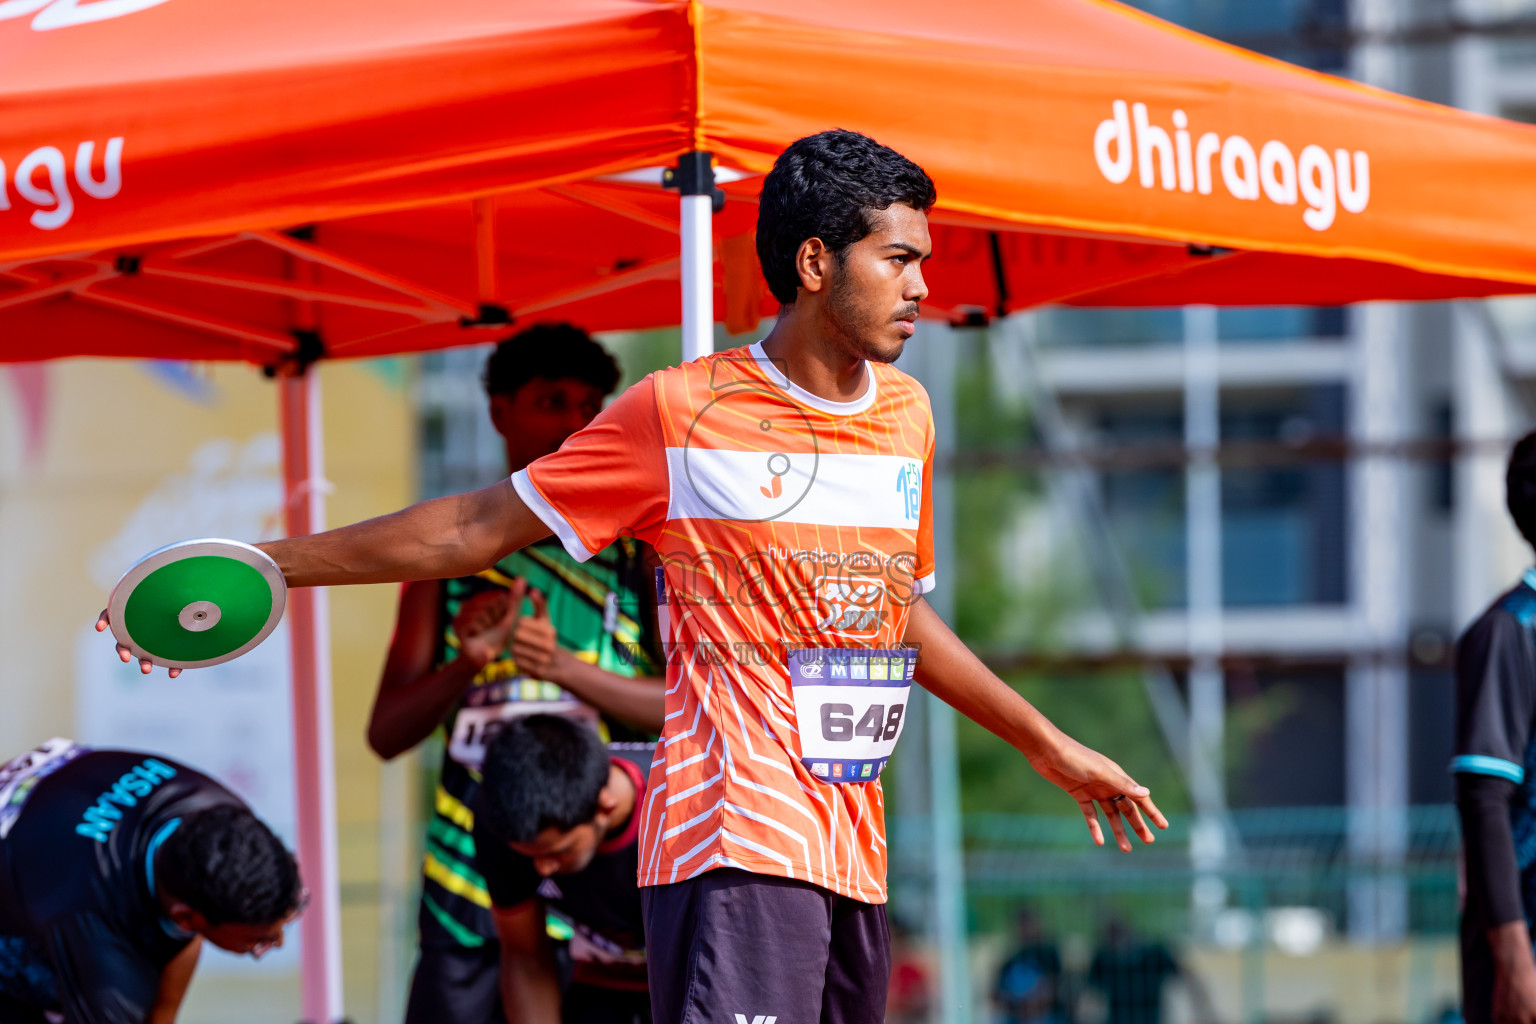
[{"x": 159, "y": 155}]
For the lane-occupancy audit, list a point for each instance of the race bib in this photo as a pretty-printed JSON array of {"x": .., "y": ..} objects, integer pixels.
[
  {"x": 487, "y": 709},
  {"x": 19, "y": 776},
  {"x": 851, "y": 705}
]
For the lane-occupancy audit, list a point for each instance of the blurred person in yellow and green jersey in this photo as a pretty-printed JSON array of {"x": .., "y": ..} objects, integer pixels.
[{"x": 538, "y": 633}]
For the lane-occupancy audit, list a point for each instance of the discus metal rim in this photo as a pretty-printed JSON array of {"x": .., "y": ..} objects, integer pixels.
[{"x": 117, "y": 604}]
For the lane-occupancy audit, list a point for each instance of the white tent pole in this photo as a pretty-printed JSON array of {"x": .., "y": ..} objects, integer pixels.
[
  {"x": 694, "y": 178},
  {"x": 932, "y": 360},
  {"x": 698, "y": 279},
  {"x": 315, "y": 769}
]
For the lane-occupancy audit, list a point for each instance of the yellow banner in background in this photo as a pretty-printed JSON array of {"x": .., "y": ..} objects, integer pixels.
[{"x": 102, "y": 461}]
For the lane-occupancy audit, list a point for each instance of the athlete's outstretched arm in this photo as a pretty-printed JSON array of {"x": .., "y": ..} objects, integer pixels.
[
  {"x": 453, "y": 536},
  {"x": 948, "y": 670}
]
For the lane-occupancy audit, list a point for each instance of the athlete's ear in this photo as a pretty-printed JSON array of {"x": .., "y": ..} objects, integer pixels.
[
  {"x": 607, "y": 800},
  {"x": 187, "y": 919},
  {"x": 501, "y": 412},
  {"x": 813, "y": 262}
]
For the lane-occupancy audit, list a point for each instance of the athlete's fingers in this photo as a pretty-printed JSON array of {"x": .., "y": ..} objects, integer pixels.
[
  {"x": 540, "y": 605},
  {"x": 1133, "y": 815},
  {"x": 515, "y": 605},
  {"x": 102, "y": 622},
  {"x": 174, "y": 672},
  {"x": 1123, "y": 783},
  {"x": 124, "y": 653},
  {"x": 1092, "y": 815},
  {"x": 1116, "y": 825},
  {"x": 533, "y": 641},
  {"x": 1146, "y": 805},
  {"x": 146, "y": 666}
]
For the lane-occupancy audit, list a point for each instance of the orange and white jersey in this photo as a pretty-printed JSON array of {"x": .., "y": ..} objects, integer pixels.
[{"x": 787, "y": 526}]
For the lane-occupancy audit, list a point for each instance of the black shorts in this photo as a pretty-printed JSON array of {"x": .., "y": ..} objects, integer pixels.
[
  {"x": 15, "y": 1012},
  {"x": 731, "y": 946},
  {"x": 457, "y": 984},
  {"x": 592, "y": 1004}
]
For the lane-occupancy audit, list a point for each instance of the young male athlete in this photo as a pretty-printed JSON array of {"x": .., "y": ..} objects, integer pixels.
[
  {"x": 115, "y": 867},
  {"x": 557, "y": 830},
  {"x": 1495, "y": 766},
  {"x": 464, "y": 659},
  {"x": 786, "y": 488}
]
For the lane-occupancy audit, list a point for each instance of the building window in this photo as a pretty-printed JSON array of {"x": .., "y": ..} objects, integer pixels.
[
  {"x": 1089, "y": 327},
  {"x": 1312, "y": 33},
  {"x": 1284, "y": 536},
  {"x": 1271, "y": 714}
]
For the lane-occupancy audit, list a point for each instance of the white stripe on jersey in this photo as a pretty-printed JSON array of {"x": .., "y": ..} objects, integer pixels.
[{"x": 860, "y": 491}]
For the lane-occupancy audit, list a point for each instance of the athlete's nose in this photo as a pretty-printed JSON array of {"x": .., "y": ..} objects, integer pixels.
[{"x": 917, "y": 287}]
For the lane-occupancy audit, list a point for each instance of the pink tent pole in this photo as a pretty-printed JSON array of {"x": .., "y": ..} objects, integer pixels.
[{"x": 314, "y": 753}]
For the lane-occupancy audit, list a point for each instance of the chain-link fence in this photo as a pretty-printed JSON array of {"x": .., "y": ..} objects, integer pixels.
[{"x": 1302, "y": 918}]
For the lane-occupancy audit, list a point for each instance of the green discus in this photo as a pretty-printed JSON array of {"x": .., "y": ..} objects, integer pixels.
[{"x": 198, "y": 603}]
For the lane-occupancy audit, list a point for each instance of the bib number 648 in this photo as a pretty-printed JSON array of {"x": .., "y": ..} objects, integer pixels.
[{"x": 876, "y": 723}]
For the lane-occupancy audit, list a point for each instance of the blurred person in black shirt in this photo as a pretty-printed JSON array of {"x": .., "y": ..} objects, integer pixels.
[
  {"x": 1131, "y": 974},
  {"x": 557, "y": 831},
  {"x": 1493, "y": 764},
  {"x": 1028, "y": 989}
]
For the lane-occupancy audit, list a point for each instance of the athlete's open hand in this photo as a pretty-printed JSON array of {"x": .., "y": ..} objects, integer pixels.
[
  {"x": 484, "y": 623},
  {"x": 1091, "y": 778},
  {"x": 146, "y": 666},
  {"x": 949, "y": 671}
]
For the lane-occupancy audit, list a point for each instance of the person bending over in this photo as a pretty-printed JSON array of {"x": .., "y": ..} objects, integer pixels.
[
  {"x": 556, "y": 832},
  {"x": 115, "y": 867},
  {"x": 465, "y": 660},
  {"x": 1495, "y": 790}
]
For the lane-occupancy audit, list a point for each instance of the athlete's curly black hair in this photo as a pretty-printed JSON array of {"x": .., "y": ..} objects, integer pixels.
[
  {"x": 540, "y": 772},
  {"x": 226, "y": 864},
  {"x": 825, "y": 186},
  {"x": 1520, "y": 487},
  {"x": 553, "y": 352}
]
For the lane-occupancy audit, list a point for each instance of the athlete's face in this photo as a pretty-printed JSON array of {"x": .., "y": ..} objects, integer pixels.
[
  {"x": 562, "y": 853},
  {"x": 254, "y": 940},
  {"x": 246, "y": 939},
  {"x": 554, "y": 852},
  {"x": 537, "y": 418},
  {"x": 874, "y": 286}
]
